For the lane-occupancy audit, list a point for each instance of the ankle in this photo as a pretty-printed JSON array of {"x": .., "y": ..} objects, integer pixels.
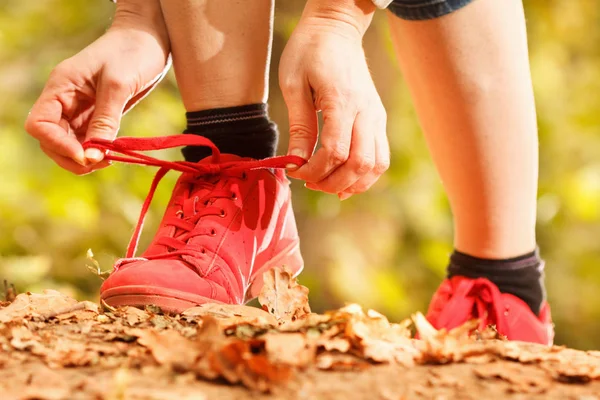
[
  {"x": 494, "y": 248},
  {"x": 245, "y": 131}
]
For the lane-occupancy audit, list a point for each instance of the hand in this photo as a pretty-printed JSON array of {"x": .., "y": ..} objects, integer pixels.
[
  {"x": 323, "y": 67},
  {"x": 87, "y": 94}
]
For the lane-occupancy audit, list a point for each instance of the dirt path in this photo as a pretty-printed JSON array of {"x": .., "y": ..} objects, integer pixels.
[
  {"x": 34, "y": 380},
  {"x": 53, "y": 347}
]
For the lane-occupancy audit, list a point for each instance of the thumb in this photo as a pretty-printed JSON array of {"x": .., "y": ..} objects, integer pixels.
[
  {"x": 304, "y": 128},
  {"x": 111, "y": 96}
]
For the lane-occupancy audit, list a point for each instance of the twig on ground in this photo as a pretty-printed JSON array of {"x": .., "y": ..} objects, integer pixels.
[{"x": 10, "y": 292}]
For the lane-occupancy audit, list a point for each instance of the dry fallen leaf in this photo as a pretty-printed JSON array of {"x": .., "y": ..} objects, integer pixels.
[
  {"x": 289, "y": 348},
  {"x": 232, "y": 314},
  {"x": 282, "y": 296},
  {"x": 246, "y": 362},
  {"x": 168, "y": 347},
  {"x": 236, "y": 360},
  {"x": 23, "y": 339},
  {"x": 377, "y": 339},
  {"x": 36, "y": 305},
  {"x": 95, "y": 266},
  {"x": 133, "y": 315},
  {"x": 424, "y": 328},
  {"x": 341, "y": 345}
]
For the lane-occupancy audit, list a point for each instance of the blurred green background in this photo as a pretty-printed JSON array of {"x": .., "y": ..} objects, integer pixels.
[{"x": 386, "y": 249}]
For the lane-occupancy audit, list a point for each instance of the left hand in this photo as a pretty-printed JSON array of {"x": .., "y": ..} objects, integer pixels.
[{"x": 323, "y": 67}]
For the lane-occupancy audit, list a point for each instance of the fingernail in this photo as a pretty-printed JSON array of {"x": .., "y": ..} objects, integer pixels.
[
  {"x": 295, "y": 152},
  {"x": 344, "y": 196},
  {"x": 79, "y": 158},
  {"x": 94, "y": 155}
]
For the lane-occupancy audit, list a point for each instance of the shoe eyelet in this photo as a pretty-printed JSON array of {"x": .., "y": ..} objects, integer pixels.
[
  {"x": 213, "y": 232},
  {"x": 223, "y": 213},
  {"x": 244, "y": 176},
  {"x": 203, "y": 251},
  {"x": 234, "y": 196}
]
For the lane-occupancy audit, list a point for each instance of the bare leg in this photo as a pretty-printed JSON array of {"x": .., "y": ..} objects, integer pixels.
[
  {"x": 469, "y": 76},
  {"x": 221, "y": 50}
]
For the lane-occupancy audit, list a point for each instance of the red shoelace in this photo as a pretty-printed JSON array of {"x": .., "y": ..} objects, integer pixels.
[
  {"x": 127, "y": 150},
  {"x": 487, "y": 301}
]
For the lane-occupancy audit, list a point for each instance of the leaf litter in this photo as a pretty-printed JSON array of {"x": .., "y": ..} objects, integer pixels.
[{"x": 264, "y": 350}]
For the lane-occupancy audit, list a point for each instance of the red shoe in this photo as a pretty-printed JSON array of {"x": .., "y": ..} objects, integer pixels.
[
  {"x": 228, "y": 221},
  {"x": 460, "y": 299}
]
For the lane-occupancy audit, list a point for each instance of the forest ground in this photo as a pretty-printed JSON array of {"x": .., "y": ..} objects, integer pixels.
[{"x": 54, "y": 347}]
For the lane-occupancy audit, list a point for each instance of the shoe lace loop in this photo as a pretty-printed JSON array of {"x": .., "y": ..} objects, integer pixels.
[
  {"x": 127, "y": 150},
  {"x": 487, "y": 303}
]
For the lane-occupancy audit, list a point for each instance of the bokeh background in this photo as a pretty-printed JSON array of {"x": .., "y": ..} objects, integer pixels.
[{"x": 386, "y": 249}]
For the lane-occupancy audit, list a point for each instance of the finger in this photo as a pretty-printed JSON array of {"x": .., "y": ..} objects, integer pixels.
[
  {"x": 79, "y": 124},
  {"x": 111, "y": 97},
  {"x": 304, "y": 127},
  {"x": 335, "y": 145},
  {"x": 70, "y": 165},
  {"x": 46, "y": 123},
  {"x": 360, "y": 161},
  {"x": 382, "y": 163}
]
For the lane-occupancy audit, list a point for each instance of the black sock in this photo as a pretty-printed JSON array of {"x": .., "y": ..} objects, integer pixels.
[
  {"x": 245, "y": 131},
  {"x": 520, "y": 276}
]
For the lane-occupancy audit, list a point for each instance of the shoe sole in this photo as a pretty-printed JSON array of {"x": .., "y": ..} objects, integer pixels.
[{"x": 174, "y": 301}]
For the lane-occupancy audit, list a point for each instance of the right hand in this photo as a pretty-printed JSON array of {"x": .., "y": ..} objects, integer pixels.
[
  {"x": 87, "y": 94},
  {"x": 323, "y": 67}
]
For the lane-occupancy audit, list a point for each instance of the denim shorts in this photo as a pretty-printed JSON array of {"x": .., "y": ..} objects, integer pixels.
[{"x": 425, "y": 9}]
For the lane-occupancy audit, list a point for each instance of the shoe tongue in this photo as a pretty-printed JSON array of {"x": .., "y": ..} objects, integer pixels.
[{"x": 201, "y": 190}]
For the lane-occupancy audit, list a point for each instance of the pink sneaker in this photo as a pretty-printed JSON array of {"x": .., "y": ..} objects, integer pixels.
[
  {"x": 460, "y": 299},
  {"x": 229, "y": 220}
]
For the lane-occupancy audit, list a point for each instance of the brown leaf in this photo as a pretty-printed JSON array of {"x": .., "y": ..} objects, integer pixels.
[
  {"x": 23, "y": 339},
  {"x": 246, "y": 362},
  {"x": 443, "y": 346},
  {"x": 341, "y": 345},
  {"x": 424, "y": 328},
  {"x": 282, "y": 296},
  {"x": 236, "y": 360},
  {"x": 305, "y": 322},
  {"x": 288, "y": 348},
  {"x": 232, "y": 314},
  {"x": 133, "y": 315},
  {"x": 68, "y": 353},
  {"x": 490, "y": 332},
  {"x": 377, "y": 339},
  {"x": 35, "y": 305},
  {"x": 168, "y": 347}
]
